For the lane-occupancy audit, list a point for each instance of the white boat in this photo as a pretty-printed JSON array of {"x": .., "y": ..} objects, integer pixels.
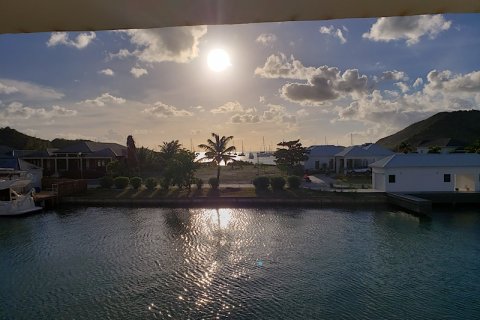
[{"x": 13, "y": 204}]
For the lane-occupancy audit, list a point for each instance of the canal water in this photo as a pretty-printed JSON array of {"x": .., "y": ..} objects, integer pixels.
[{"x": 124, "y": 263}]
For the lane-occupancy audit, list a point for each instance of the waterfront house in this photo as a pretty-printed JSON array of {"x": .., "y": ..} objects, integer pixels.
[
  {"x": 427, "y": 172},
  {"x": 356, "y": 158},
  {"x": 85, "y": 159},
  {"x": 322, "y": 157}
]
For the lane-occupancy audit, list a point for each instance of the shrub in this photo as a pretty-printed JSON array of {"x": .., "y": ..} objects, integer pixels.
[
  {"x": 278, "y": 183},
  {"x": 199, "y": 183},
  {"x": 261, "y": 183},
  {"x": 150, "y": 183},
  {"x": 106, "y": 182},
  {"x": 165, "y": 183},
  {"x": 121, "y": 182},
  {"x": 214, "y": 183},
  {"x": 136, "y": 182},
  {"x": 294, "y": 182}
]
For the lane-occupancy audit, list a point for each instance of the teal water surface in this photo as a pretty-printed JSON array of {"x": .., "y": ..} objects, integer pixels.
[{"x": 124, "y": 263}]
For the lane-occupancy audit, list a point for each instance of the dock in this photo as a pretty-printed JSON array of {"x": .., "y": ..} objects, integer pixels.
[
  {"x": 46, "y": 199},
  {"x": 410, "y": 202}
]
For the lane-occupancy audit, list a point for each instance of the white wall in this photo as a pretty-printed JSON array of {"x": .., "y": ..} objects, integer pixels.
[
  {"x": 424, "y": 179},
  {"x": 310, "y": 163}
]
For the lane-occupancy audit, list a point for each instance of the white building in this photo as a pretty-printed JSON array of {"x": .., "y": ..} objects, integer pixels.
[
  {"x": 359, "y": 157},
  {"x": 322, "y": 157},
  {"x": 445, "y": 145},
  {"x": 427, "y": 172}
]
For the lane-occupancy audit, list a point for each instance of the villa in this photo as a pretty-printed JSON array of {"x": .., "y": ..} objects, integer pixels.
[
  {"x": 85, "y": 159},
  {"x": 344, "y": 160},
  {"x": 427, "y": 172}
]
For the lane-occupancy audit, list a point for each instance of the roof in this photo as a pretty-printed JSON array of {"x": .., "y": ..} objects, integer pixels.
[
  {"x": 366, "y": 150},
  {"x": 324, "y": 150},
  {"x": 441, "y": 142},
  {"x": 411, "y": 160},
  {"x": 9, "y": 163},
  {"x": 60, "y": 15},
  {"x": 4, "y": 150},
  {"x": 89, "y": 147}
]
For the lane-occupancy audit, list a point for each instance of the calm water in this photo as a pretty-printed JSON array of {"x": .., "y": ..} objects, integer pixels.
[{"x": 98, "y": 263}]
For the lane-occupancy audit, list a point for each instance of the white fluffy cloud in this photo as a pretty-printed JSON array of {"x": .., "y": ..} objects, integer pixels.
[
  {"x": 266, "y": 39},
  {"x": 394, "y": 75},
  {"x": 162, "y": 110},
  {"x": 17, "y": 110},
  {"x": 62, "y": 38},
  {"x": 279, "y": 66},
  {"x": 138, "y": 72},
  {"x": 29, "y": 91},
  {"x": 107, "y": 72},
  {"x": 229, "y": 107},
  {"x": 4, "y": 89},
  {"x": 177, "y": 44},
  {"x": 410, "y": 28},
  {"x": 104, "y": 99},
  {"x": 334, "y": 32}
]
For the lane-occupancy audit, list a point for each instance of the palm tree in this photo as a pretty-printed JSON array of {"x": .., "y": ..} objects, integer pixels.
[
  {"x": 405, "y": 147},
  {"x": 217, "y": 150},
  {"x": 169, "y": 149}
]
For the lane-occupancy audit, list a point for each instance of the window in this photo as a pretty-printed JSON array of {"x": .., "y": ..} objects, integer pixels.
[
  {"x": 446, "y": 177},
  {"x": 391, "y": 178},
  {"x": 317, "y": 164}
]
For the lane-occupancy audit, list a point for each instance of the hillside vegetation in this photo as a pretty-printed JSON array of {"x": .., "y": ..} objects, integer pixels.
[
  {"x": 463, "y": 126},
  {"x": 16, "y": 140}
]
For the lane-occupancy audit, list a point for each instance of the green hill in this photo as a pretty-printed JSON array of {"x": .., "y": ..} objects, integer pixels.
[
  {"x": 463, "y": 126},
  {"x": 16, "y": 140}
]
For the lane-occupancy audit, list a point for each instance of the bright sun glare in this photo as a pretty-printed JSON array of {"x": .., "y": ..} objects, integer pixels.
[{"x": 218, "y": 60}]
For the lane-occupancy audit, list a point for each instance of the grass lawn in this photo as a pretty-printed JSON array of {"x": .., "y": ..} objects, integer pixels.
[{"x": 237, "y": 174}]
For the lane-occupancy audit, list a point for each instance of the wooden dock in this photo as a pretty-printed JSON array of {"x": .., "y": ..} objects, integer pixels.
[{"x": 46, "y": 199}]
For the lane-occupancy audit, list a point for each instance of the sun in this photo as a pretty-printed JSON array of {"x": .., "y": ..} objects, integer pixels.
[{"x": 218, "y": 60}]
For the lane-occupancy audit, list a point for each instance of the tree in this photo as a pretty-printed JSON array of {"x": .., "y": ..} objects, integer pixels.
[
  {"x": 169, "y": 149},
  {"x": 405, "y": 147},
  {"x": 132, "y": 160},
  {"x": 474, "y": 147},
  {"x": 434, "y": 149},
  {"x": 290, "y": 154},
  {"x": 217, "y": 150},
  {"x": 180, "y": 168}
]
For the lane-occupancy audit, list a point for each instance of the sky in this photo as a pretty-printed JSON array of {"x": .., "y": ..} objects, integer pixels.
[{"x": 323, "y": 82}]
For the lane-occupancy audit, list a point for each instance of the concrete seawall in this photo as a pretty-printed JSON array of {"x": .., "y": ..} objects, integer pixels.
[{"x": 330, "y": 200}]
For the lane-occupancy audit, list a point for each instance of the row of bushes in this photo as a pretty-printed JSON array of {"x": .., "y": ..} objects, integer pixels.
[
  {"x": 150, "y": 183},
  {"x": 260, "y": 183},
  {"x": 277, "y": 183}
]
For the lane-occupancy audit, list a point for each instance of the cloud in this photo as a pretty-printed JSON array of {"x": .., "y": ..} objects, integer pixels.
[
  {"x": 138, "y": 72},
  {"x": 178, "y": 44},
  {"x": 121, "y": 54},
  {"x": 328, "y": 83},
  {"x": 394, "y": 75},
  {"x": 29, "y": 91},
  {"x": 107, "y": 72},
  {"x": 62, "y": 38},
  {"x": 247, "y": 117},
  {"x": 266, "y": 39},
  {"x": 17, "y": 110},
  {"x": 410, "y": 29},
  {"x": 279, "y": 66},
  {"x": 336, "y": 33},
  {"x": 229, "y": 107},
  {"x": 104, "y": 99},
  {"x": 4, "y": 89},
  {"x": 418, "y": 83},
  {"x": 161, "y": 110},
  {"x": 402, "y": 86},
  {"x": 447, "y": 81}
]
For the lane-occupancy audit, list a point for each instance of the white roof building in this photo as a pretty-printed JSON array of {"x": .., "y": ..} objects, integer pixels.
[{"x": 427, "y": 172}]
